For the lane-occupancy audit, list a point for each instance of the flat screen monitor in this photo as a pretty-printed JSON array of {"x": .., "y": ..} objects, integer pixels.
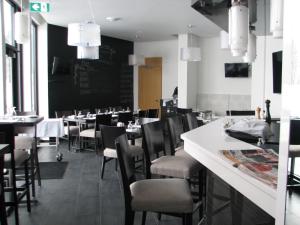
[
  {"x": 277, "y": 71},
  {"x": 236, "y": 69},
  {"x": 61, "y": 66}
]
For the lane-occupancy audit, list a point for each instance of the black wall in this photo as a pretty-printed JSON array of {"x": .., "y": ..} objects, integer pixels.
[{"x": 88, "y": 84}]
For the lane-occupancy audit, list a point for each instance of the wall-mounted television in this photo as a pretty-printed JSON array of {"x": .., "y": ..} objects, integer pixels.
[
  {"x": 61, "y": 66},
  {"x": 236, "y": 70},
  {"x": 277, "y": 71}
]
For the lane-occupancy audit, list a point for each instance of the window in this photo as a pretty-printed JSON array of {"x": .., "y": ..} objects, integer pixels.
[
  {"x": 12, "y": 76},
  {"x": 30, "y": 79}
]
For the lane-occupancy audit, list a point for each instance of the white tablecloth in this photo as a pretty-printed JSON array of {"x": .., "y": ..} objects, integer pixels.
[{"x": 50, "y": 128}]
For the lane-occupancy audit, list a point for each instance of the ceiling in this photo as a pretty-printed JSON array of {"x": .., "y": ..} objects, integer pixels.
[{"x": 151, "y": 20}]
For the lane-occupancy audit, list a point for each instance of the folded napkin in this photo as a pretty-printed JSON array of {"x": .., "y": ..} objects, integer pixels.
[{"x": 252, "y": 126}]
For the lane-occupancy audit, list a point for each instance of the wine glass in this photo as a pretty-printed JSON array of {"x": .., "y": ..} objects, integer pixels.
[{"x": 130, "y": 125}]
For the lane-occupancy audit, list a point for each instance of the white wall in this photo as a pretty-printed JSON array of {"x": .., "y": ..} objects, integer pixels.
[
  {"x": 262, "y": 78},
  {"x": 215, "y": 92},
  {"x": 168, "y": 51},
  {"x": 212, "y": 75}
]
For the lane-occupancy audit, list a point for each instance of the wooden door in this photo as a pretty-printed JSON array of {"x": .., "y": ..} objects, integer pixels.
[{"x": 150, "y": 83}]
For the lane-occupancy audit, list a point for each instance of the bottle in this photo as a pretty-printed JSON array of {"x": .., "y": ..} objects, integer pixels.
[
  {"x": 258, "y": 112},
  {"x": 268, "y": 115}
]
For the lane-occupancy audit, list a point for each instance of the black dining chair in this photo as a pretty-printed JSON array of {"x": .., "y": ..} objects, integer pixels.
[
  {"x": 158, "y": 162},
  {"x": 152, "y": 113},
  {"x": 183, "y": 111},
  {"x": 191, "y": 122},
  {"x": 16, "y": 160},
  {"x": 168, "y": 196},
  {"x": 240, "y": 112},
  {"x": 71, "y": 129},
  {"x": 93, "y": 134},
  {"x": 143, "y": 113},
  {"x": 124, "y": 117},
  {"x": 109, "y": 135},
  {"x": 25, "y": 140}
]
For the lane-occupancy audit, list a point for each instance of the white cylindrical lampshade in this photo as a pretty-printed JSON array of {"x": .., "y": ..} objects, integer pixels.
[
  {"x": 239, "y": 30},
  {"x": 21, "y": 27},
  {"x": 251, "y": 50},
  {"x": 224, "y": 39},
  {"x": 88, "y": 52},
  {"x": 84, "y": 34},
  {"x": 136, "y": 60},
  {"x": 276, "y": 20},
  {"x": 192, "y": 54}
]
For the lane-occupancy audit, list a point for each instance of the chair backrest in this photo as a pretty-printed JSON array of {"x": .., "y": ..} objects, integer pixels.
[
  {"x": 295, "y": 132},
  {"x": 103, "y": 119},
  {"x": 240, "y": 112},
  {"x": 7, "y": 135},
  {"x": 175, "y": 127},
  {"x": 154, "y": 142},
  {"x": 124, "y": 117},
  {"x": 127, "y": 167},
  {"x": 27, "y": 113},
  {"x": 191, "y": 121},
  {"x": 63, "y": 113},
  {"x": 143, "y": 113},
  {"x": 184, "y": 110},
  {"x": 152, "y": 113},
  {"x": 109, "y": 135}
]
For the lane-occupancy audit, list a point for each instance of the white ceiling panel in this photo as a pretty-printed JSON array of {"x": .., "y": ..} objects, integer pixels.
[{"x": 152, "y": 20}]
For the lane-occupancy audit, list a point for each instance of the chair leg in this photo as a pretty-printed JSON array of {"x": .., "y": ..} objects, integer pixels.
[
  {"x": 129, "y": 217},
  {"x": 158, "y": 216},
  {"x": 103, "y": 166},
  {"x": 116, "y": 164},
  {"x": 144, "y": 217},
  {"x": 32, "y": 172},
  {"x": 37, "y": 165},
  {"x": 188, "y": 219},
  {"x": 27, "y": 189}
]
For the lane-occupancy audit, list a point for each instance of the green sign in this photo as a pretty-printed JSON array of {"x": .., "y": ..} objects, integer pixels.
[{"x": 39, "y": 7}]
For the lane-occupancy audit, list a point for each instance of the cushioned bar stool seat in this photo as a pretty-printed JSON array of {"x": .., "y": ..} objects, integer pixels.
[
  {"x": 28, "y": 143},
  {"x": 169, "y": 196},
  {"x": 21, "y": 158},
  {"x": 161, "y": 195},
  {"x": 175, "y": 166},
  {"x": 23, "y": 142},
  {"x": 89, "y": 133}
]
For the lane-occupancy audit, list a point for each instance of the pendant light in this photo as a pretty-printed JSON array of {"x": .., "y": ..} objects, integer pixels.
[
  {"x": 88, "y": 52},
  {"x": 276, "y": 18},
  {"x": 86, "y": 36},
  {"x": 251, "y": 49},
  {"x": 190, "y": 54},
  {"x": 21, "y": 26},
  {"x": 136, "y": 60},
  {"x": 238, "y": 28}
]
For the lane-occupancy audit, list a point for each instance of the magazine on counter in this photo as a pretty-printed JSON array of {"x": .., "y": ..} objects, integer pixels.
[{"x": 259, "y": 163}]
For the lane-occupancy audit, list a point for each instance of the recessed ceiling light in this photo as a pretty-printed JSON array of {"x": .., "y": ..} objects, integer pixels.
[{"x": 112, "y": 19}]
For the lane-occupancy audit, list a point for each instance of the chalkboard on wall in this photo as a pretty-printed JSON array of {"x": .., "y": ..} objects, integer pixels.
[{"x": 90, "y": 83}]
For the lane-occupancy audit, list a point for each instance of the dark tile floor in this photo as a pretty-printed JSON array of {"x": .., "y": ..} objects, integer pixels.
[{"x": 81, "y": 198}]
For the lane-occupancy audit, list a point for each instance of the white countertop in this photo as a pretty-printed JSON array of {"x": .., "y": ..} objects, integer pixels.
[{"x": 205, "y": 143}]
